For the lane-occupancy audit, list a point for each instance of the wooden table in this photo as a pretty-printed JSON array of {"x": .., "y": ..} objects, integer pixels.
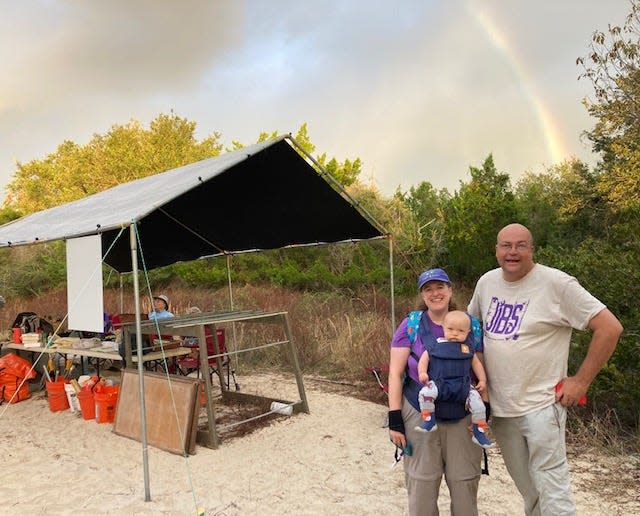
[{"x": 52, "y": 350}]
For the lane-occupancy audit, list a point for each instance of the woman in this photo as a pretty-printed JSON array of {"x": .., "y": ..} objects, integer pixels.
[
  {"x": 160, "y": 308},
  {"x": 448, "y": 450}
]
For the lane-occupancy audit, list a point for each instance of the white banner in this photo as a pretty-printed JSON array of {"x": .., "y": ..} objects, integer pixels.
[{"x": 84, "y": 284}]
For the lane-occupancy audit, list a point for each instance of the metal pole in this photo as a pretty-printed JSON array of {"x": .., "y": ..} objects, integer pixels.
[
  {"x": 121, "y": 294},
  {"x": 393, "y": 302},
  {"x": 229, "y": 282},
  {"x": 233, "y": 324},
  {"x": 295, "y": 364},
  {"x": 143, "y": 417}
]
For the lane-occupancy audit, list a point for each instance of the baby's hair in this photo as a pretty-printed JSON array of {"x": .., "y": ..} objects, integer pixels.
[{"x": 458, "y": 316}]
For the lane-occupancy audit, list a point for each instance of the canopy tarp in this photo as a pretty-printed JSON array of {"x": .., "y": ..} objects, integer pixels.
[{"x": 264, "y": 196}]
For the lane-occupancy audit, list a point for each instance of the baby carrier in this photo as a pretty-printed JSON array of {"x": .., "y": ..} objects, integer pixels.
[
  {"x": 449, "y": 368},
  {"x": 444, "y": 411}
]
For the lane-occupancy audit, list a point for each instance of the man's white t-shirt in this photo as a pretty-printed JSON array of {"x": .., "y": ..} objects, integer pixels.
[{"x": 527, "y": 332}]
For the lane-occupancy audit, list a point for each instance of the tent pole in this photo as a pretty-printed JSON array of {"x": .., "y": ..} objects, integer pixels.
[
  {"x": 393, "y": 302},
  {"x": 121, "y": 294},
  {"x": 229, "y": 282},
  {"x": 233, "y": 325},
  {"x": 143, "y": 417}
]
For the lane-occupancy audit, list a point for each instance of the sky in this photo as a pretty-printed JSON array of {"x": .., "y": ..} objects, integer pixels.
[{"x": 419, "y": 90}]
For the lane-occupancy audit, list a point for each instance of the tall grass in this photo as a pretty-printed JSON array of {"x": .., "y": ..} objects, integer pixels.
[{"x": 336, "y": 335}]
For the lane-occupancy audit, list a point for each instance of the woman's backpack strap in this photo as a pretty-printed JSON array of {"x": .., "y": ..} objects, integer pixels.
[
  {"x": 475, "y": 335},
  {"x": 413, "y": 323}
]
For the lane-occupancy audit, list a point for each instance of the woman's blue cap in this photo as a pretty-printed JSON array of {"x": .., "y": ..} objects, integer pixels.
[{"x": 432, "y": 275}]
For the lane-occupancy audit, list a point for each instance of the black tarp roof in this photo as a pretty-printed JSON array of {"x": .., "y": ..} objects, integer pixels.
[{"x": 265, "y": 196}]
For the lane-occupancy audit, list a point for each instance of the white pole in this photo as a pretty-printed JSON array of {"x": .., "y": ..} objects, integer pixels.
[
  {"x": 143, "y": 417},
  {"x": 393, "y": 302},
  {"x": 121, "y": 294},
  {"x": 229, "y": 282},
  {"x": 233, "y": 325}
]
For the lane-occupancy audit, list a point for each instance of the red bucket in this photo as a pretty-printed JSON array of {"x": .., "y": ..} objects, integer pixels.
[
  {"x": 57, "y": 396},
  {"x": 87, "y": 404},
  {"x": 106, "y": 402}
]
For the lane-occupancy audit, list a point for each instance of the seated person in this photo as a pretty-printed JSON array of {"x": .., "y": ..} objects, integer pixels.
[
  {"x": 160, "y": 308},
  {"x": 160, "y": 311}
]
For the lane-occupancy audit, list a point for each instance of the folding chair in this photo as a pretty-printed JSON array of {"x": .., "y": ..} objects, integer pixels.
[
  {"x": 378, "y": 372},
  {"x": 191, "y": 363}
]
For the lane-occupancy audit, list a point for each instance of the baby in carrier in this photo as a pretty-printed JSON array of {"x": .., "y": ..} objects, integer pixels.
[{"x": 445, "y": 374}]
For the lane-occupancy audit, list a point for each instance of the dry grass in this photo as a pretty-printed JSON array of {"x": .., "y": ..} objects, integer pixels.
[
  {"x": 600, "y": 432},
  {"x": 336, "y": 335}
]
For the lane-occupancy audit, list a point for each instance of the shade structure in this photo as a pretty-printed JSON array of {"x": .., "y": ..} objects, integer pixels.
[{"x": 264, "y": 196}]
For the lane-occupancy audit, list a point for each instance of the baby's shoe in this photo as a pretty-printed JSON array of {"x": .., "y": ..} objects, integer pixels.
[
  {"x": 479, "y": 436},
  {"x": 428, "y": 425}
]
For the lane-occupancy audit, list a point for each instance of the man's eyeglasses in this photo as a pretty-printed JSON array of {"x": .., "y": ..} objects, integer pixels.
[{"x": 520, "y": 246}]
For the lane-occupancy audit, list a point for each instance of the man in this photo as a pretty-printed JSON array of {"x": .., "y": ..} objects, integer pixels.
[{"x": 528, "y": 312}]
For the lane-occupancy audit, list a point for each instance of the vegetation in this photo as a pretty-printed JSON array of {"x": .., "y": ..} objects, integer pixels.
[{"x": 585, "y": 220}]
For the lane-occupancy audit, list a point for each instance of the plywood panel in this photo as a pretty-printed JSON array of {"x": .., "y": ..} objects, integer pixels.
[{"x": 167, "y": 429}]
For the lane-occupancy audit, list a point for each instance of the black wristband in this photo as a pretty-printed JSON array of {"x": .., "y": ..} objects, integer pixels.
[{"x": 395, "y": 421}]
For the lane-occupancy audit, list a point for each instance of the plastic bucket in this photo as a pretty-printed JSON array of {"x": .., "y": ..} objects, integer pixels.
[
  {"x": 106, "y": 404},
  {"x": 87, "y": 404},
  {"x": 57, "y": 396}
]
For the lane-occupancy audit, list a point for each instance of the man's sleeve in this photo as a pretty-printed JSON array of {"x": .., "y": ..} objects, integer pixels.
[{"x": 579, "y": 306}]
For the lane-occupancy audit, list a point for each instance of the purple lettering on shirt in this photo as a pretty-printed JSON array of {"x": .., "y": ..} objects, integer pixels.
[{"x": 504, "y": 318}]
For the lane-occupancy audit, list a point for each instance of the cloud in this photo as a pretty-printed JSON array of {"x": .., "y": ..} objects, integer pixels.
[
  {"x": 416, "y": 89},
  {"x": 115, "y": 48}
]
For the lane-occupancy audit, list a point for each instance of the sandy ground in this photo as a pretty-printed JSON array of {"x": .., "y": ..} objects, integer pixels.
[{"x": 335, "y": 460}]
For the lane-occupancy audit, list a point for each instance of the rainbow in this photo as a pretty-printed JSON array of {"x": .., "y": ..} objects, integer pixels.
[{"x": 556, "y": 147}]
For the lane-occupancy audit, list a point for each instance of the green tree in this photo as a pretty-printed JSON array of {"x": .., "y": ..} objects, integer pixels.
[
  {"x": 125, "y": 153},
  {"x": 562, "y": 203},
  {"x": 425, "y": 236},
  {"x": 472, "y": 217},
  {"x": 613, "y": 67}
]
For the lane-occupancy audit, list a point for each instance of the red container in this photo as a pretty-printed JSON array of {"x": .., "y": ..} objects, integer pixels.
[
  {"x": 106, "y": 402},
  {"x": 17, "y": 336},
  {"x": 87, "y": 404},
  {"x": 57, "y": 396}
]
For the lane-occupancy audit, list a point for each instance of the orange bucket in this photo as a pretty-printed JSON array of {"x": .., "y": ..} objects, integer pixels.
[
  {"x": 57, "y": 396},
  {"x": 87, "y": 404},
  {"x": 106, "y": 402}
]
